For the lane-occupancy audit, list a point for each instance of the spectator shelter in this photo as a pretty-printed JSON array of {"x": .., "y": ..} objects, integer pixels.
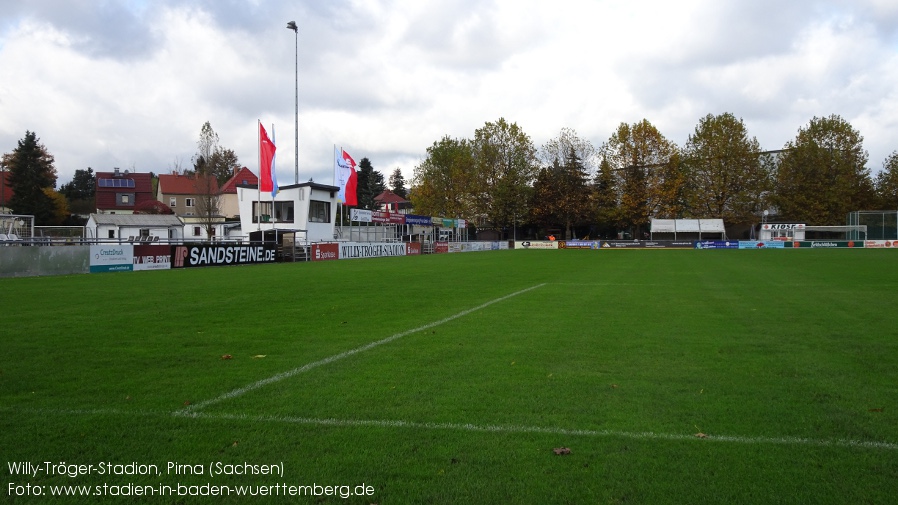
[{"x": 687, "y": 229}]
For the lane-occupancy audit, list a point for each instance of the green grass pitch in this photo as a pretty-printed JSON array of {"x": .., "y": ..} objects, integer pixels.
[{"x": 670, "y": 376}]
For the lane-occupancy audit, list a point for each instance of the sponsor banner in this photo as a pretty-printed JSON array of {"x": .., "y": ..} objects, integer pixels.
[
  {"x": 828, "y": 244},
  {"x": 717, "y": 244},
  {"x": 536, "y": 244},
  {"x": 448, "y": 223},
  {"x": 353, "y": 250},
  {"x": 783, "y": 226},
  {"x": 621, "y": 244},
  {"x": 881, "y": 244},
  {"x": 111, "y": 258},
  {"x": 418, "y": 220},
  {"x": 208, "y": 255},
  {"x": 412, "y": 248},
  {"x": 387, "y": 217},
  {"x": 360, "y": 215},
  {"x": 578, "y": 244},
  {"x": 325, "y": 251},
  {"x": 152, "y": 257},
  {"x": 668, "y": 244},
  {"x": 441, "y": 247},
  {"x": 461, "y": 223},
  {"x": 436, "y": 221},
  {"x": 757, "y": 244}
]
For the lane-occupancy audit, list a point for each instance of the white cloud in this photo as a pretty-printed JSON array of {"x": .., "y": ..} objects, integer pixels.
[{"x": 130, "y": 84}]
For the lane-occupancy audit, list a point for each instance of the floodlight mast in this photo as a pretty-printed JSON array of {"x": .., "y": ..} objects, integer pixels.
[{"x": 292, "y": 26}]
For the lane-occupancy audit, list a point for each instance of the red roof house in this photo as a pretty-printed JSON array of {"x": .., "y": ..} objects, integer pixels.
[{"x": 119, "y": 191}]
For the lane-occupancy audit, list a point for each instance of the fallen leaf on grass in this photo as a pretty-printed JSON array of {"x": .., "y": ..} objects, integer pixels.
[
  {"x": 561, "y": 451},
  {"x": 614, "y": 386},
  {"x": 259, "y": 356},
  {"x": 876, "y": 410},
  {"x": 701, "y": 435},
  {"x": 227, "y": 356}
]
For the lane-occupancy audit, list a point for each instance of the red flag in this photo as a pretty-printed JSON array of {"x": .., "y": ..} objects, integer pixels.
[
  {"x": 352, "y": 199},
  {"x": 266, "y": 156}
]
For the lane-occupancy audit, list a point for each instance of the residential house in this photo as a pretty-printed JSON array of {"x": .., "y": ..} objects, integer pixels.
[
  {"x": 118, "y": 192},
  {"x": 230, "y": 207},
  {"x": 5, "y": 192},
  {"x": 184, "y": 194},
  {"x": 388, "y": 201}
]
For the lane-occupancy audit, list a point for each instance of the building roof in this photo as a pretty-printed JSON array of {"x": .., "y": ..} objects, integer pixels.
[
  {"x": 177, "y": 184},
  {"x": 137, "y": 219},
  {"x": 117, "y": 182},
  {"x": 243, "y": 176},
  {"x": 388, "y": 197}
]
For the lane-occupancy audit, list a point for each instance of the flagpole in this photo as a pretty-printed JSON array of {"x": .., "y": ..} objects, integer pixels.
[{"x": 259, "y": 181}]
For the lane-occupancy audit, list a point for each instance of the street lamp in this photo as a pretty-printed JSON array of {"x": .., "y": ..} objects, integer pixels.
[{"x": 292, "y": 26}]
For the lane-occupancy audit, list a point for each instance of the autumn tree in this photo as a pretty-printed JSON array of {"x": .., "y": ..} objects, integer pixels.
[
  {"x": 822, "y": 174},
  {"x": 648, "y": 174},
  {"x": 505, "y": 165},
  {"x": 727, "y": 175},
  {"x": 443, "y": 184},
  {"x": 60, "y": 207},
  {"x": 31, "y": 171},
  {"x": 397, "y": 183},
  {"x": 887, "y": 183}
]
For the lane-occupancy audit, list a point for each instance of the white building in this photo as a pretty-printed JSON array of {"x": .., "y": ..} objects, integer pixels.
[
  {"x": 309, "y": 209},
  {"x": 134, "y": 228}
]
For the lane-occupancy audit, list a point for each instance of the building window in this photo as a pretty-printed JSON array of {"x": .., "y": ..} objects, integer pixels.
[
  {"x": 319, "y": 212},
  {"x": 197, "y": 231},
  {"x": 189, "y": 202},
  {"x": 111, "y": 233},
  {"x": 263, "y": 209},
  {"x": 124, "y": 199},
  {"x": 283, "y": 212},
  {"x": 172, "y": 202}
]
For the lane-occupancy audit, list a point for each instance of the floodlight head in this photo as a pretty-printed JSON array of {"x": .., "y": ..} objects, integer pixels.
[{"x": 292, "y": 26}]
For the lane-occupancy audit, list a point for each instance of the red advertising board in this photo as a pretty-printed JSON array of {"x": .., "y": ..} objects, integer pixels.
[
  {"x": 325, "y": 252},
  {"x": 412, "y": 248},
  {"x": 441, "y": 247}
]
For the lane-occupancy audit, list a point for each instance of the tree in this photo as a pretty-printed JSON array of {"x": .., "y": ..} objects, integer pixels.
[
  {"x": 397, "y": 183},
  {"x": 822, "y": 175},
  {"x": 505, "y": 165},
  {"x": 81, "y": 191},
  {"x": 727, "y": 175},
  {"x": 561, "y": 195},
  {"x": 443, "y": 184},
  {"x": 31, "y": 171},
  {"x": 211, "y": 158},
  {"x": 205, "y": 180},
  {"x": 648, "y": 178},
  {"x": 887, "y": 183},
  {"x": 605, "y": 201},
  {"x": 370, "y": 183},
  {"x": 60, "y": 207},
  {"x": 568, "y": 141}
]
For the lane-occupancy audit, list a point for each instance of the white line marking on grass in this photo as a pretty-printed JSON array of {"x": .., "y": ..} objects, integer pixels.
[
  {"x": 513, "y": 429},
  {"x": 470, "y": 427},
  {"x": 190, "y": 409}
]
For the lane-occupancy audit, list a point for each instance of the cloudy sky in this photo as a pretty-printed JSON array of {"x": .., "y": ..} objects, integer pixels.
[{"x": 129, "y": 84}]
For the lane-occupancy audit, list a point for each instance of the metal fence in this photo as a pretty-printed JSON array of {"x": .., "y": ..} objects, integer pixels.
[{"x": 881, "y": 224}]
